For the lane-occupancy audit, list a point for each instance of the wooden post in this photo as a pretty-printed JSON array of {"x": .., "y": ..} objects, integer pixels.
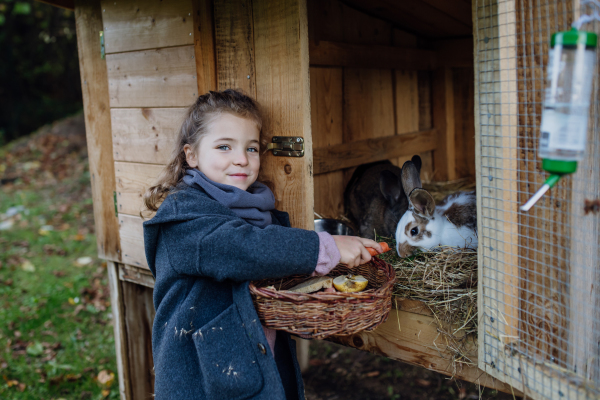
[
  {"x": 444, "y": 158},
  {"x": 94, "y": 87},
  {"x": 118, "y": 312}
]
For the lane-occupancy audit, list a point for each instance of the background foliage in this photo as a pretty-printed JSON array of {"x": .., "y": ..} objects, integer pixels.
[{"x": 39, "y": 67}]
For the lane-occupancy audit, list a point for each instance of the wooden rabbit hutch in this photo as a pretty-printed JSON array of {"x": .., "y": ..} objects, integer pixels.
[{"x": 359, "y": 81}]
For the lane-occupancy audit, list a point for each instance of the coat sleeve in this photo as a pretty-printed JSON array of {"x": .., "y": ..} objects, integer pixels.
[{"x": 223, "y": 247}]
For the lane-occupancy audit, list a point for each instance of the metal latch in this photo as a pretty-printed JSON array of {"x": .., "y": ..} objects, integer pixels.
[{"x": 286, "y": 146}]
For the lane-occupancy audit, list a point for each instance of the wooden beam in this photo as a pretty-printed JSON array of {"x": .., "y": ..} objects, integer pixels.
[
  {"x": 234, "y": 35},
  {"x": 118, "y": 321},
  {"x": 335, "y": 54},
  {"x": 204, "y": 45},
  {"x": 346, "y": 155},
  {"x": 283, "y": 90},
  {"x": 444, "y": 158},
  {"x": 94, "y": 87},
  {"x": 414, "y": 339},
  {"x": 133, "y": 274}
]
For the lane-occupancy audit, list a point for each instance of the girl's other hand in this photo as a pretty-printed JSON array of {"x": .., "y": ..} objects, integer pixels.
[{"x": 353, "y": 250}]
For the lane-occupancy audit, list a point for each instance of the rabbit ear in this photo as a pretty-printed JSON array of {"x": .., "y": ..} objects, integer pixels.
[
  {"x": 422, "y": 202},
  {"x": 390, "y": 187},
  {"x": 410, "y": 177},
  {"x": 417, "y": 161}
]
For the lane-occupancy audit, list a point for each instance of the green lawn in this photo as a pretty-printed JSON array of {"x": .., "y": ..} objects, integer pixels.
[{"x": 56, "y": 333}]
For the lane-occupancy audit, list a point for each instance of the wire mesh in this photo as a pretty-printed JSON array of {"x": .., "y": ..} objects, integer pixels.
[{"x": 540, "y": 270}]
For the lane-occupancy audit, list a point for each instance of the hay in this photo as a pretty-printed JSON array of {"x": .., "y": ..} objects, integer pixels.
[{"x": 445, "y": 280}]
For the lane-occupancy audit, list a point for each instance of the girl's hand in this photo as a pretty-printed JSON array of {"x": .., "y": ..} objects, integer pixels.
[{"x": 353, "y": 250}]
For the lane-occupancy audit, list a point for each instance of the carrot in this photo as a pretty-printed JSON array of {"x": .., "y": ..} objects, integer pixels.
[{"x": 383, "y": 245}]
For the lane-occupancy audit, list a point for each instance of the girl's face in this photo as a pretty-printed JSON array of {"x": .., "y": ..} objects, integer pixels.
[{"x": 229, "y": 152}]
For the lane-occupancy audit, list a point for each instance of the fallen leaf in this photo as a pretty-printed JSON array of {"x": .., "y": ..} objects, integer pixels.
[
  {"x": 105, "y": 392},
  {"x": 81, "y": 261},
  {"x": 372, "y": 374},
  {"x": 35, "y": 349},
  {"x": 27, "y": 266},
  {"x": 73, "y": 301},
  {"x": 78, "y": 238},
  {"x": 106, "y": 378},
  {"x": 423, "y": 382},
  {"x": 22, "y": 387},
  {"x": 45, "y": 230}
]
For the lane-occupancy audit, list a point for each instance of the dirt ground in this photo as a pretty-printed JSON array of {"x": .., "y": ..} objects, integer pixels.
[{"x": 340, "y": 373}]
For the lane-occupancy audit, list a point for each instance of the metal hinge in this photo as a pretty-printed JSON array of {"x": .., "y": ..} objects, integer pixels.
[
  {"x": 286, "y": 146},
  {"x": 102, "y": 54}
]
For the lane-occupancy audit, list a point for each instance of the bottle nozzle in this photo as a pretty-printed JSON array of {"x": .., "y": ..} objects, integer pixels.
[{"x": 550, "y": 182}]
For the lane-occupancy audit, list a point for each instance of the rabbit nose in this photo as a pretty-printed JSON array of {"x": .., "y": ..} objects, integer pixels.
[{"x": 404, "y": 249}]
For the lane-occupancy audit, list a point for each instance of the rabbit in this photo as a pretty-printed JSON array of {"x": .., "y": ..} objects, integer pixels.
[
  {"x": 374, "y": 199},
  {"x": 453, "y": 222}
]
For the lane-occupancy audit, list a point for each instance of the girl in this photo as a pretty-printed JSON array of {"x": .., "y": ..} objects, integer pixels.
[{"x": 216, "y": 229}]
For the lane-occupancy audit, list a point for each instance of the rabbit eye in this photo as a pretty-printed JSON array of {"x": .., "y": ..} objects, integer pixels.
[{"x": 414, "y": 231}]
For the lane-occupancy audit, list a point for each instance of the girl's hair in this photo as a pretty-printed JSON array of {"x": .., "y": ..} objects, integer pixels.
[{"x": 197, "y": 119}]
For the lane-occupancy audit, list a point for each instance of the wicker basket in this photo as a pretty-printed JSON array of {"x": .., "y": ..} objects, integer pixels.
[{"x": 321, "y": 315}]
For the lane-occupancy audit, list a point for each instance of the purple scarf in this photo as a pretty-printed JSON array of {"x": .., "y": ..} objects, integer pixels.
[{"x": 253, "y": 205}]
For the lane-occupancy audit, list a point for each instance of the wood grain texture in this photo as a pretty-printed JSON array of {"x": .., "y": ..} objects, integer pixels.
[
  {"x": 153, "y": 78},
  {"x": 444, "y": 158},
  {"x": 414, "y": 16},
  {"x": 464, "y": 124},
  {"x": 204, "y": 45},
  {"x": 94, "y": 87},
  {"x": 132, "y": 240},
  {"x": 66, "y": 4},
  {"x": 137, "y": 275},
  {"x": 410, "y": 338},
  {"x": 325, "y": 20},
  {"x": 149, "y": 24},
  {"x": 337, "y": 54},
  {"x": 352, "y": 154},
  {"x": 145, "y": 135},
  {"x": 139, "y": 316},
  {"x": 283, "y": 89},
  {"x": 120, "y": 331},
  {"x": 326, "y": 117},
  {"x": 234, "y": 37},
  {"x": 133, "y": 179}
]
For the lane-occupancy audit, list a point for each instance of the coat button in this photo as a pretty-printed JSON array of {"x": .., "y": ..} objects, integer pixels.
[{"x": 262, "y": 348}]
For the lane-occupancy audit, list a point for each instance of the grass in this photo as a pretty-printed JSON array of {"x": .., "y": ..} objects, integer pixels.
[{"x": 56, "y": 333}]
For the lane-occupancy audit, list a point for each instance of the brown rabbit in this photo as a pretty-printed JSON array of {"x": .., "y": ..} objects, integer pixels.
[{"x": 374, "y": 199}]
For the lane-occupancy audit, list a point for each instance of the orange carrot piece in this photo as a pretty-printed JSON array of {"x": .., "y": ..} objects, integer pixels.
[{"x": 383, "y": 245}]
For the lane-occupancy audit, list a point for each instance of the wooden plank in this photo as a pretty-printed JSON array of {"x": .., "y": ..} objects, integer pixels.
[
  {"x": 325, "y": 20},
  {"x": 153, "y": 78},
  {"x": 337, "y": 54},
  {"x": 133, "y": 179},
  {"x": 118, "y": 322},
  {"x": 351, "y": 154},
  {"x": 464, "y": 124},
  {"x": 94, "y": 87},
  {"x": 133, "y": 274},
  {"x": 139, "y": 316},
  {"x": 413, "y": 16},
  {"x": 444, "y": 161},
  {"x": 235, "y": 45},
  {"x": 361, "y": 28},
  {"x": 414, "y": 339},
  {"x": 132, "y": 240},
  {"x": 454, "y": 53},
  {"x": 204, "y": 46},
  {"x": 144, "y": 135},
  {"x": 144, "y": 25},
  {"x": 458, "y": 10},
  {"x": 283, "y": 89},
  {"x": 326, "y": 117}
]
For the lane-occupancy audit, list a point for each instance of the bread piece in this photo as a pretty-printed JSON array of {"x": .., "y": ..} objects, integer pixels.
[{"x": 313, "y": 285}]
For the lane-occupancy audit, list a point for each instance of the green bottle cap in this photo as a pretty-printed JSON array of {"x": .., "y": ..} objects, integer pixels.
[
  {"x": 559, "y": 167},
  {"x": 573, "y": 38}
]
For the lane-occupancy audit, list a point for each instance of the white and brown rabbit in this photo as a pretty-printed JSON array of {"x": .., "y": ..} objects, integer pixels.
[{"x": 424, "y": 226}]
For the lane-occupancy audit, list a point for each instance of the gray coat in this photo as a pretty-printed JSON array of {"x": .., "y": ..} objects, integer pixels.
[{"x": 207, "y": 340}]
